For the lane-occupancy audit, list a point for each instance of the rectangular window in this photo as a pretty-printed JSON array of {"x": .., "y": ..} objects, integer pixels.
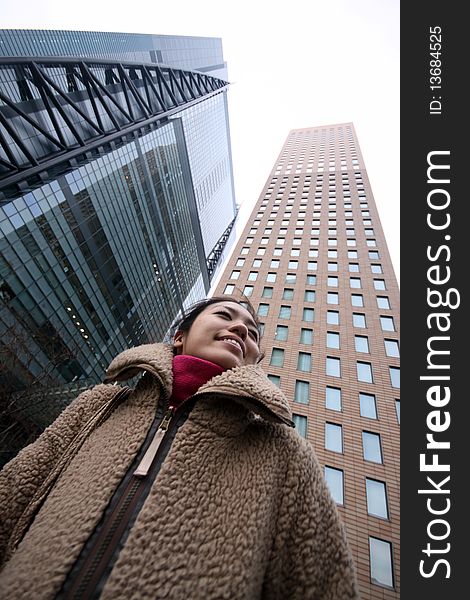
[
  {"x": 271, "y": 277},
  {"x": 392, "y": 348},
  {"x": 383, "y": 302},
  {"x": 302, "y": 392},
  {"x": 284, "y": 312},
  {"x": 367, "y": 404},
  {"x": 387, "y": 323},
  {"x": 332, "y": 267},
  {"x": 376, "y": 498},
  {"x": 263, "y": 309},
  {"x": 293, "y": 264},
  {"x": 394, "y": 376},
  {"x": 361, "y": 343},
  {"x": 364, "y": 372},
  {"x": 291, "y": 278},
  {"x": 248, "y": 290},
  {"x": 355, "y": 283},
  {"x": 275, "y": 379},
  {"x": 357, "y": 300},
  {"x": 312, "y": 265},
  {"x": 333, "y": 398},
  {"x": 379, "y": 284},
  {"x": 332, "y": 317},
  {"x": 333, "y": 366},
  {"x": 311, "y": 279},
  {"x": 235, "y": 275},
  {"x": 229, "y": 288},
  {"x": 304, "y": 362},
  {"x": 281, "y": 333},
  {"x": 277, "y": 357},
  {"x": 332, "y": 282},
  {"x": 267, "y": 292},
  {"x": 240, "y": 262},
  {"x": 371, "y": 447},
  {"x": 333, "y": 437},
  {"x": 332, "y": 339},
  {"x": 308, "y": 315},
  {"x": 300, "y": 423},
  {"x": 332, "y": 298},
  {"x": 354, "y": 268},
  {"x": 334, "y": 479},
  {"x": 309, "y": 296},
  {"x": 274, "y": 263},
  {"x": 257, "y": 263},
  {"x": 397, "y": 409},
  {"x": 359, "y": 320},
  {"x": 306, "y": 336},
  {"x": 381, "y": 571},
  {"x": 287, "y": 294},
  {"x": 352, "y": 253},
  {"x": 252, "y": 276},
  {"x": 244, "y": 251},
  {"x": 376, "y": 268}
]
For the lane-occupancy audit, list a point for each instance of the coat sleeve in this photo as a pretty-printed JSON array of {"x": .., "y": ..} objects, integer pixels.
[
  {"x": 310, "y": 557},
  {"x": 23, "y": 475}
]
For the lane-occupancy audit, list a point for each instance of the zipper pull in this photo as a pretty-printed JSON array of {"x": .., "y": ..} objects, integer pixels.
[{"x": 147, "y": 460}]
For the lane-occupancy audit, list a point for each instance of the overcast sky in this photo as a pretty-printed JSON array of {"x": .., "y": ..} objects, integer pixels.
[{"x": 292, "y": 63}]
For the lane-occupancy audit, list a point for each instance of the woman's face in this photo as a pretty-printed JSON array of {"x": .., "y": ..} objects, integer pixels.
[{"x": 223, "y": 333}]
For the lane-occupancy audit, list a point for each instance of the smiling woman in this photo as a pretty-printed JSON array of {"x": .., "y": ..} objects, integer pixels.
[{"x": 193, "y": 485}]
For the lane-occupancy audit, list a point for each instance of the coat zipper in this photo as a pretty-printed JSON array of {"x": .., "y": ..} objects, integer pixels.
[{"x": 89, "y": 579}]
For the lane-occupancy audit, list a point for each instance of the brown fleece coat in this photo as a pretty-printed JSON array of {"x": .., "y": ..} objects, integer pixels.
[{"x": 239, "y": 509}]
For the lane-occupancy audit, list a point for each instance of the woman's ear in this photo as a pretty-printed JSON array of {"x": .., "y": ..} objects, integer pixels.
[{"x": 178, "y": 340}]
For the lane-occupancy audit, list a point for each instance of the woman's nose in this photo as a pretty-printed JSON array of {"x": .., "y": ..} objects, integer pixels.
[{"x": 240, "y": 328}]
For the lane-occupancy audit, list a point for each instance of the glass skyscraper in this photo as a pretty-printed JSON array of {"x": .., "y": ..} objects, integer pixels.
[{"x": 103, "y": 243}]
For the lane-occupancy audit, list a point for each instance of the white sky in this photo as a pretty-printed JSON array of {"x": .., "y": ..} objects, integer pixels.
[{"x": 292, "y": 63}]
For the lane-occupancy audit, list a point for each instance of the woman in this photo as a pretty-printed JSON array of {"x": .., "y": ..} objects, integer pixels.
[{"x": 192, "y": 486}]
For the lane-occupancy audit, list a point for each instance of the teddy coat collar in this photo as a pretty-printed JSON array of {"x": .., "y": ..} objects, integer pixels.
[{"x": 247, "y": 385}]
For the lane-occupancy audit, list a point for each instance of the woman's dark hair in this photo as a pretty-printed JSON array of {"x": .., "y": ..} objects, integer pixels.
[{"x": 185, "y": 322}]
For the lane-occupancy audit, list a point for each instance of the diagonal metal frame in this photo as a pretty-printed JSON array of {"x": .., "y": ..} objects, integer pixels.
[{"x": 139, "y": 96}]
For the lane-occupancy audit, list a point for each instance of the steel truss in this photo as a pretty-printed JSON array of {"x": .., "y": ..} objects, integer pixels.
[{"x": 56, "y": 110}]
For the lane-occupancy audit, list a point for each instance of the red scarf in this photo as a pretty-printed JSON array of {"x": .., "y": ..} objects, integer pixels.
[{"x": 189, "y": 373}]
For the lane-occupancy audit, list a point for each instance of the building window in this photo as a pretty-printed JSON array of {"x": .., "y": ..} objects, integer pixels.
[
  {"x": 287, "y": 294},
  {"x": 248, "y": 290},
  {"x": 281, "y": 333},
  {"x": 357, "y": 300},
  {"x": 333, "y": 366},
  {"x": 261, "y": 251},
  {"x": 334, "y": 437},
  {"x": 274, "y": 263},
  {"x": 364, "y": 372},
  {"x": 271, "y": 277},
  {"x": 277, "y": 357},
  {"x": 302, "y": 392},
  {"x": 334, "y": 479},
  {"x": 267, "y": 292},
  {"x": 381, "y": 571},
  {"x": 291, "y": 278},
  {"x": 332, "y": 267},
  {"x": 332, "y": 317},
  {"x": 376, "y": 498},
  {"x": 367, "y": 405},
  {"x": 308, "y": 315},
  {"x": 240, "y": 262},
  {"x": 304, "y": 362},
  {"x": 376, "y": 268},
  {"x": 311, "y": 279},
  {"x": 371, "y": 447},
  {"x": 392, "y": 348},
  {"x": 332, "y": 339},
  {"x": 309, "y": 296},
  {"x": 229, "y": 288},
  {"x": 379, "y": 284},
  {"x": 333, "y": 398},
  {"x": 275, "y": 379},
  {"x": 397, "y": 409},
  {"x": 300, "y": 423},
  {"x": 277, "y": 252},
  {"x": 354, "y": 268},
  {"x": 284, "y": 312},
  {"x": 244, "y": 251},
  {"x": 374, "y": 255},
  {"x": 355, "y": 282},
  {"x": 332, "y": 282},
  {"x": 332, "y": 298},
  {"x": 257, "y": 263},
  {"x": 387, "y": 323},
  {"x": 352, "y": 253},
  {"x": 252, "y": 276},
  {"x": 263, "y": 309},
  {"x": 235, "y": 275},
  {"x": 312, "y": 265},
  {"x": 394, "y": 376},
  {"x": 383, "y": 302},
  {"x": 306, "y": 336},
  {"x": 359, "y": 320},
  {"x": 361, "y": 343}
]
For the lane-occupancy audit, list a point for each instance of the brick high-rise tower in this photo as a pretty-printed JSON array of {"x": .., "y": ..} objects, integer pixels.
[{"x": 314, "y": 262}]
